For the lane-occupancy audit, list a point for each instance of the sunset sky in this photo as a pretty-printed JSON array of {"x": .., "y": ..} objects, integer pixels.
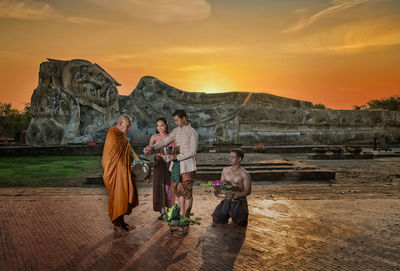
[{"x": 335, "y": 52}]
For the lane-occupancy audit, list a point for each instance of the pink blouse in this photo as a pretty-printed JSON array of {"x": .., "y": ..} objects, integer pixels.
[{"x": 159, "y": 138}]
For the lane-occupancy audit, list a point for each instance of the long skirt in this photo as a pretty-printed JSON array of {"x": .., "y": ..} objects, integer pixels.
[{"x": 163, "y": 194}]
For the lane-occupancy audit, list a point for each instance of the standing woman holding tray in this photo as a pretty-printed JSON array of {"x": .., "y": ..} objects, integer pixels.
[
  {"x": 184, "y": 161},
  {"x": 163, "y": 193}
]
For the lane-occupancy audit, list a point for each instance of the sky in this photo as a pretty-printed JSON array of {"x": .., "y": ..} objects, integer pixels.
[{"x": 335, "y": 52}]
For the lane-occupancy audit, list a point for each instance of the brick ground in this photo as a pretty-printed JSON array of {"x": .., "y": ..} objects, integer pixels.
[{"x": 291, "y": 227}]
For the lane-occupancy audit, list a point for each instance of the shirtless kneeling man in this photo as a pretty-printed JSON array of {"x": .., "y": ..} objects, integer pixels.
[{"x": 235, "y": 205}]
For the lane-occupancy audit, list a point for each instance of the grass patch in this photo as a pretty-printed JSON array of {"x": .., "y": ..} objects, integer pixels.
[{"x": 47, "y": 171}]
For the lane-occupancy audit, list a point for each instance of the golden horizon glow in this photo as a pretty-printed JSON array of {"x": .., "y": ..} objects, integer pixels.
[{"x": 339, "y": 53}]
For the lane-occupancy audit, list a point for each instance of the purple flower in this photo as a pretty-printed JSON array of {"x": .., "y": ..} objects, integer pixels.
[{"x": 218, "y": 183}]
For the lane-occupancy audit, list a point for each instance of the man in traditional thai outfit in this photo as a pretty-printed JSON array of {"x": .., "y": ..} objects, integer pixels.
[
  {"x": 117, "y": 177},
  {"x": 235, "y": 205},
  {"x": 183, "y": 168}
]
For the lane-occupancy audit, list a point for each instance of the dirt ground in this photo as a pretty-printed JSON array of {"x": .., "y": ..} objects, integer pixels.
[{"x": 352, "y": 223}]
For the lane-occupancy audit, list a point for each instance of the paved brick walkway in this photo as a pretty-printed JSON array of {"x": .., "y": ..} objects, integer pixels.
[{"x": 291, "y": 227}]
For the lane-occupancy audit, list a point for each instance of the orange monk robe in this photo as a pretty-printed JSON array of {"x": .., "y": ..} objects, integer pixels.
[{"x": 117, "y": 177}]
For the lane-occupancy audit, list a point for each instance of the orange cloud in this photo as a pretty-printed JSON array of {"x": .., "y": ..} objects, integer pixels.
[
  {"x": 337, "y": 6},
  {"x": 354, "y": 38},
  {"x": 26, "y": 10},
  {"x": 30, "y": 10},
  {"x": 161, "y": 11},
  {"x": 192, "y": 68}
]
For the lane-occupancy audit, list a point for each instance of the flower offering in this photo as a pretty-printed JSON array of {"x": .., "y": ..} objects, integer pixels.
[{"x": 218, "y": 183}]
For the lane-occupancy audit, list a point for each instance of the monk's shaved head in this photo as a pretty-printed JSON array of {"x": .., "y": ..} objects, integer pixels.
[
  {"x": 124, "y": 123},
  {"x": 126, "y": 117}
]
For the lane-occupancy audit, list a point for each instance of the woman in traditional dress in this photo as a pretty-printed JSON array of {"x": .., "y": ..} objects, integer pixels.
[{"x": 163, "y": 193}]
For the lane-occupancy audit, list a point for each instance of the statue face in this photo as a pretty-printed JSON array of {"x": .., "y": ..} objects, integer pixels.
[{"x": 88, "y": 82}]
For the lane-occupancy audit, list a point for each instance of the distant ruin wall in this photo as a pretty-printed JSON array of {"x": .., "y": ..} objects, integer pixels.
[{"x": 77, "y": 101}]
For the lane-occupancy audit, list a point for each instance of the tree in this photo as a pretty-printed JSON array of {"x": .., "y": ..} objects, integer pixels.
[
  {"x": 7, "y": 110},
  {"x": 27, "y": 115},
  {"x": 12, "y": 120},
  {"x": 319, "y": 106},
  {"x": 392, "y": 103}
]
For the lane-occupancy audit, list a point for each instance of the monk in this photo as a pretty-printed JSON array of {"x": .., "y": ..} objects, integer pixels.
[
  {"x": 235, "y": 204},
  {"x": 117, "y": 177}
]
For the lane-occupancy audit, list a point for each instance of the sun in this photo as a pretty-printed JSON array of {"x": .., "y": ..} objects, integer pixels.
[
  {"x": 210, "y": 90},
  {"x": 210, "y": 82}
]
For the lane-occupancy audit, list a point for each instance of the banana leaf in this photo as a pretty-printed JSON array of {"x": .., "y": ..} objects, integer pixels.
[
  {"x": 173, "y": 213},
  {"x": 191, "y": 221}
]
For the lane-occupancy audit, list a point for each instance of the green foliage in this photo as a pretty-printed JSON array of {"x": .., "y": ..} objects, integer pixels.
[
  {"x": 173, "y": 213},
  {"x": 392, "y": 103},
  {"x": 12, "y": 120},
  {"x": 319, "y": 106},
  {"x": 47, "y": 170}
]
